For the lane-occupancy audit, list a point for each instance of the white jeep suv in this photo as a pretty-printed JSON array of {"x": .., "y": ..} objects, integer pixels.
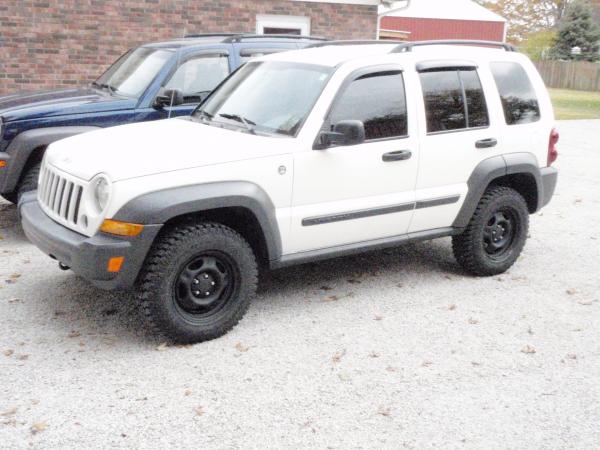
[{"x": 297, "y": 157}]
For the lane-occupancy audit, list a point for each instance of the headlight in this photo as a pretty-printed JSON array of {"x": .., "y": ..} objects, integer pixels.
[{"x": 101, "y": 192}]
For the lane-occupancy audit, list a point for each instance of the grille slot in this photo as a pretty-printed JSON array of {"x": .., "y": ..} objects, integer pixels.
[{"x": 60, "y": 196}]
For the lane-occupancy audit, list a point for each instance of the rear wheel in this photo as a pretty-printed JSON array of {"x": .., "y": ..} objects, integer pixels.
[
  {"x": 496, "y": 234},
  {"x": 197, "y": 282}
]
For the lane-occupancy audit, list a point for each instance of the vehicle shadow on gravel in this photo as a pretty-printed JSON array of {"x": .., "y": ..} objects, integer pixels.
[
  {"x": 75, "y": 306},
  {"x": 10, "y": 223}
]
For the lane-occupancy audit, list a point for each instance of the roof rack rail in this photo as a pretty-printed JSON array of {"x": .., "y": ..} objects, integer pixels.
[
  {"x": 241, "y": 37},
  {"x": 408, "y": 46},
  {"x": 198, "y": 35},
  {"x": 354, "y": 42}
]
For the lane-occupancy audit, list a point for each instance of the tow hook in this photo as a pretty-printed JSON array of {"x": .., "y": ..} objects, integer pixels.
[{"x": 62, "y": 266}]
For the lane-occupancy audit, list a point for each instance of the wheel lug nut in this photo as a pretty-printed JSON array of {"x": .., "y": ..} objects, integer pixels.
[
  {"x": 196, "y": 292},
  {"x": 212, "y": 283},
  {"x": 207, "y": 294},
  {"x": 205, "y": 276},
  {"x": 196, "y": 282}
]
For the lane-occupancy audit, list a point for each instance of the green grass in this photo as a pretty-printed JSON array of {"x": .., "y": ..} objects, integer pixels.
[{"x": 573, "y": 105}]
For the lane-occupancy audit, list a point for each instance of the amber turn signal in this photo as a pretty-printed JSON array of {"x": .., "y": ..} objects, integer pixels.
[
  {"x": 121, "y": 228},
  {"x": 2, "y": 164},
  {"x": 115, "y": 263}
]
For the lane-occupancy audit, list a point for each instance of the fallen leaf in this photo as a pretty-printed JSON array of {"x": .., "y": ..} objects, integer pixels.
[
  {"x": 378, "y": 317},
  {"x": 374, "y": 355},
  {"x": 585, "y": 302},
  {"x": 391, "y": 369},
  {"x": 331, "y": 298},
  {"x": 529, "y": 331},
  {"x": 199, "y": 411},
  {"x": 162, "y": 347},
  {"x": 14, "y": 276},
  {"x": 426, "y": 363},
  {"x": 528, "y": 349},
  {"x": 14, "y": 300},
  {"x": 451, "y": 307},
  {"x": 35, "y": 402},
  {"x": 571, "y": 356},
  {"x": 74, "y": 334},
  {"x": 475, "y": 363},
  {"x": 241, "y": 347},
  {"x": 10, "y": 281},
  {"x": 578, "y": 200},
  {"x": 473, "y": 321},
  {"x": 384, "y": 411},
  {"x": 10, "y": 412},
  {"x": 23, "y": 357},
  {"x": 337, "y": 357},
  {"x": 571, "y": 291},
  {"x": 38, "y": 427},
  {"x": 8, "y": 352},
  {"x": 187, "y": 392}
]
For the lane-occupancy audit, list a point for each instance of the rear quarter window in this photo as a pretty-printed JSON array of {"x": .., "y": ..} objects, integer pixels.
[{"x": 518, "y": 97}]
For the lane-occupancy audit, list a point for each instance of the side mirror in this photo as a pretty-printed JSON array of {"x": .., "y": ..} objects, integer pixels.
[
  {"x": 168, "y": 97},
  {"x": 346, "y": 132}
]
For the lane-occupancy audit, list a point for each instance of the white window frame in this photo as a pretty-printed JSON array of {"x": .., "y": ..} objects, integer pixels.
[{"x": 301, "y": 23}]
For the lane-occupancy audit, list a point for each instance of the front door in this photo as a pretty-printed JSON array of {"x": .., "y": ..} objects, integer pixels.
[{"x": 353, "y": 194}]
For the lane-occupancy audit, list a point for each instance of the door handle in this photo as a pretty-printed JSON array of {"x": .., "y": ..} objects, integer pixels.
[
  {"x": 486, "y": 143},
  {"x": 400, "y": 155}
]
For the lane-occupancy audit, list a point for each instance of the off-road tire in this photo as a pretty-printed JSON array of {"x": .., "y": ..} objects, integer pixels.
[
  {"x": 170, "y": 255},
  {"x": 29, "y": 180},
  {"x": 469, "y": 247}
]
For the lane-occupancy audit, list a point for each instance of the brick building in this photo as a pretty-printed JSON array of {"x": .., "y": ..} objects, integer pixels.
[{"x": 53, "y": 43}]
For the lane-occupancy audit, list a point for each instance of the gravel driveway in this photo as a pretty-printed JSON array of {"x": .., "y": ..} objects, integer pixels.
[{"x": 393, "y": 349}]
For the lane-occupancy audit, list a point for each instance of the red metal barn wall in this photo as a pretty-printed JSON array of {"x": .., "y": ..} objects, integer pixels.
[{"x": 424, "y": 29}]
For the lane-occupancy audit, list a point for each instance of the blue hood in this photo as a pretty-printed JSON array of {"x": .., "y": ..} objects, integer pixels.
[{"x": 35, "y": 105}]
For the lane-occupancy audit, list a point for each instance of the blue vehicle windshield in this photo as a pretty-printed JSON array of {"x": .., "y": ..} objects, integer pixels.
[{"x": 131, "y": 74}]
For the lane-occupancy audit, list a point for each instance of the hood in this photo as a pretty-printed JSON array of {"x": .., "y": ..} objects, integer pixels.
[
  {"x": 33, "y": 105},
  {"x": 141, "y": 149}
]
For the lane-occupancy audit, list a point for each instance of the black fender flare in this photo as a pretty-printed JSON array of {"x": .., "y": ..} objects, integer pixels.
[
  {"x": 492, "y": 168},
  {"x": 23, "y": 145},
  {"x": 159, "y": 207}
]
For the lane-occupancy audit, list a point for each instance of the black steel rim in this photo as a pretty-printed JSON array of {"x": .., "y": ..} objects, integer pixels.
[
  {"x": 204, "y": 285},
  {"x": 499, "y": 233}
]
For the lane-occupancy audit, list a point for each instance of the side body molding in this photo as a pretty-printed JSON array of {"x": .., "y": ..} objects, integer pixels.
[
  {"x": 22, "y": 146},
  {"x": 161, "y": 206},
  {"x": 492, "y": 168}
]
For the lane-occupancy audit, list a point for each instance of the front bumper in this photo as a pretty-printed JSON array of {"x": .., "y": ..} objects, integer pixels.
[
  {"x": 549, "y": 178},
  {"x": 87, "y": 256}
]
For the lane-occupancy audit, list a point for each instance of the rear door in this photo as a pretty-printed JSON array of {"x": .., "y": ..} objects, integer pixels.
[
  {"x": 458, "y": 132},
  {"x": 354, "y": 194}
]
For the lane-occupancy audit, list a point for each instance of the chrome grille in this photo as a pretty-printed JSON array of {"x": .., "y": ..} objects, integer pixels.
[{"x": 60, "y": 196}]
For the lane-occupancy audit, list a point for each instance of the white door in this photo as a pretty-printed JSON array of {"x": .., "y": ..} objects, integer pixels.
[
  {"x": 460, "y": 132},
  {"x": 359, "y": 193}
]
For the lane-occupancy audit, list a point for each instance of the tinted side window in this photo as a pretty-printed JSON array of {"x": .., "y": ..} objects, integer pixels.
[
  {"x": 247, "y": 54},
  {"x": 379, "y": 101},
  {"x": 477, "y": 113},
  {"x": 198, "y": 76},
  {"x": 444, "y": 102},
  {"x": 448, "y": 107},
  {"x": 516, "y": 92}
]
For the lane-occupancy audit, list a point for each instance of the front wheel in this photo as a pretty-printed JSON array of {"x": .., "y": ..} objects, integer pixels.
[
  {"x": 197, "y": 282},
  {"x": 496, "y": 234}
]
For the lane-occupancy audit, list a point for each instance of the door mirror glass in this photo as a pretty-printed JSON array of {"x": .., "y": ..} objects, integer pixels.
[
  {"x": 169, "y": 97},
  {"x": 346, "y": 132}
]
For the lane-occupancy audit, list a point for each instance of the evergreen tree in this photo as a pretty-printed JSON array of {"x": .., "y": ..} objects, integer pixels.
[{"x": 577, "y": 29}]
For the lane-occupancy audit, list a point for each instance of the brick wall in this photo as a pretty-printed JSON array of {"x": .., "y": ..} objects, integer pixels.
[{"x": 57, "y": 43}]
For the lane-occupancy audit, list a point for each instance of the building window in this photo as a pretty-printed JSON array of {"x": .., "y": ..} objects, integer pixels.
[{"x": 275, "y": 24}]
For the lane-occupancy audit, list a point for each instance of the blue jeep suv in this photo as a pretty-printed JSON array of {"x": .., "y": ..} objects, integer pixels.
[{"x": 150, "y": 82}]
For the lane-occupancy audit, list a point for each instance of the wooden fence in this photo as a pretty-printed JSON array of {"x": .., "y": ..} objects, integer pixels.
[{"x": 578, "y": 75}]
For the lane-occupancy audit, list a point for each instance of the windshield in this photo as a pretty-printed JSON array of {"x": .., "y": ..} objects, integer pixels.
[
  {"x": 270, "y": 96},
  {"x": 133, "y": 72}
]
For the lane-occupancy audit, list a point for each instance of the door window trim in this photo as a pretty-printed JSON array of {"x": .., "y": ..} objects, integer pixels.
[
  {"x": 352, "y": 77},
  {"x": 455, "y": 68}
]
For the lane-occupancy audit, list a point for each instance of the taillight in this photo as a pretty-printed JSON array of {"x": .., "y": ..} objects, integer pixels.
[{"x": 552, "y": 151}]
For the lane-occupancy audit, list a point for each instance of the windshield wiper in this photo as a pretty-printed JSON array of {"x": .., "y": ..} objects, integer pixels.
[
  {"x": 106, "y": 86},
  {"x": 204, "y": 115},
  {"x": 248, "y": 123}
]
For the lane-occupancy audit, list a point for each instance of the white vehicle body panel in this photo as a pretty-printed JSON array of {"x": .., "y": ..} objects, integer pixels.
[{"x": 305, "y": 183}]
